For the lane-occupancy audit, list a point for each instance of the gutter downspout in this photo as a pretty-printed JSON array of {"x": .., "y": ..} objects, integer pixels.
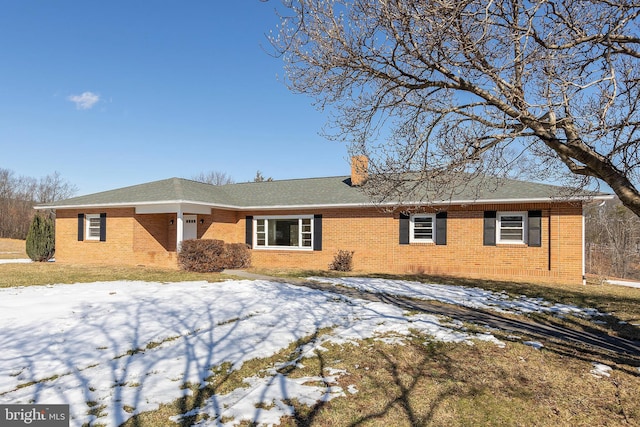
[{"x": 584, "y": 270}]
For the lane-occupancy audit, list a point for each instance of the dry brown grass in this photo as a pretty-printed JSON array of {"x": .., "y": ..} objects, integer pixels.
[
  {"x": 437, "y": 384},
  {"x": 459, "y": 385},
  {"x": 12, "y": 249},
  {"x": 44, "y": 273}
]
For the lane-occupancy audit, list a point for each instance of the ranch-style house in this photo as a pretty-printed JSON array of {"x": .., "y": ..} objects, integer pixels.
[{"x": 520, "y": 231}]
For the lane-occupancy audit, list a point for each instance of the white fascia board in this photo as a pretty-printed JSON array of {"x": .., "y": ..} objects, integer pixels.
[{"x": 170, "y": 206}]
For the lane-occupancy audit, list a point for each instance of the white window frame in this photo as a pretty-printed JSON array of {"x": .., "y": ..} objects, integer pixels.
[
  {"x": 525, "y": 220},
  {"x": 300, "y": 246},
  {"x": 89, "y": 227},
  {"x": 412, "y": 236}
]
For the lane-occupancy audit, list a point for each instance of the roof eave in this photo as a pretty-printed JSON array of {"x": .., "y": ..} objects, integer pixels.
[
  {"x": 436, "y": 203},
  {"x": 123, "y": 205},
  {"x": 330, "y": 205}
]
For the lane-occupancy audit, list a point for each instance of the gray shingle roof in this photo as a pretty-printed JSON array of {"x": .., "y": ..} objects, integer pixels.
[{"x": 329, "y": 191}]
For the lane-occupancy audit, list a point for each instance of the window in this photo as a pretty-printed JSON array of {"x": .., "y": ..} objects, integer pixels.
[
  {"x": 93, "y": 227},
  {"x": 511, "y": 227},
  {"x": 284, "y": 232},
  {"x": 422, "y": 229}
]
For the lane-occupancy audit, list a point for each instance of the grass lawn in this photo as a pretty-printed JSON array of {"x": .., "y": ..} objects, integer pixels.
[
  {"x": 47, "y": 273},
  {"x": 12, "y": 249},
  {"x": 419, "y": 382}
]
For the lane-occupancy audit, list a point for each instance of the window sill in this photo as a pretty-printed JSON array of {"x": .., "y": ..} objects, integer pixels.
[{"x": 282, "y": 248}]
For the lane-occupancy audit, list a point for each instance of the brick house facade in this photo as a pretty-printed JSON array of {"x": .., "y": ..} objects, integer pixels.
[{"x": 303, "y": 223}]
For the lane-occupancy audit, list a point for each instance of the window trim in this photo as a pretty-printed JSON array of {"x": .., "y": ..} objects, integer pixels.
[
  {"x": 283, "y": 217},
  {"x": 523, "y": 241},
  {"x": 88, "y": 227},
  {"x": 412, "y": 238}
]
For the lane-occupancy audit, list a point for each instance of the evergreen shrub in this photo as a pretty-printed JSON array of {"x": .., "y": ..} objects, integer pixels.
[{"x": 40, "y": 243}]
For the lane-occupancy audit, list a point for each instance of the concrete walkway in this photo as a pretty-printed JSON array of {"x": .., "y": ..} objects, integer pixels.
[{"x": 590, "y": 345}]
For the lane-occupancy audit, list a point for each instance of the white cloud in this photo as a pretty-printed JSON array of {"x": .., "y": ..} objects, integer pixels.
[{"x": 85, "y": 101}]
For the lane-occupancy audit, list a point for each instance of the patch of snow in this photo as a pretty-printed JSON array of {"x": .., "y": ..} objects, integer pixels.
[
  {"x": 535, "y": 344},
  {"x": 600, "y": 370},
  {"x": 263, "y": 400},
  {"x": 134, "y": 344},
  {"x": 468, "y": 297},
  {"x": 15, "y": 261},
  {"x": 627, "y": 283}
]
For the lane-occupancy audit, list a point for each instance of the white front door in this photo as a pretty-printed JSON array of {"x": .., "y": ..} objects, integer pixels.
[{"x": 190, "y": 227}]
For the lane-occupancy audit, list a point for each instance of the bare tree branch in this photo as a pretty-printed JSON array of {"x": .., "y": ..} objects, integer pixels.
[
  {"x": 213, "y": 178},
  {"x": 437, "y": 88}
]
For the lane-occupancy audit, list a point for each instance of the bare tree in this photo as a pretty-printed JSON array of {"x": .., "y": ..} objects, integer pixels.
[
  {"x": 18, "y": 195},
  {"x": 52, "y": 188},
  {"x": 453, "y": 90},
  {"x": 613, "y": 240},
  {"x": 213, "y": 178}
]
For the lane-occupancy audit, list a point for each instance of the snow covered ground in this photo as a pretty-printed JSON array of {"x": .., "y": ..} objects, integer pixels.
[
  {"x": 458, "y": 295},
  {"x": 628, "y": 283},
  {"x": 130, "y": 346}
]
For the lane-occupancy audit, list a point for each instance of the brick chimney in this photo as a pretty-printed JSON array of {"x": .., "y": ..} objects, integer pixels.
[{"x": 359, "y": 170}]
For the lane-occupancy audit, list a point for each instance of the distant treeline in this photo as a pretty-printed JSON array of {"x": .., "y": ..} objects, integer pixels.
[
  {"x": 18, "y": 196},
  {"x": 612, "y": 237}
]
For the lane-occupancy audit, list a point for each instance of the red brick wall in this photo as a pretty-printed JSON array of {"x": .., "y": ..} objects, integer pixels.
[
  {"x": 117, "y": 249},
  {"x": 131, "y": 239},
  {"x": 372, "y": 235}
]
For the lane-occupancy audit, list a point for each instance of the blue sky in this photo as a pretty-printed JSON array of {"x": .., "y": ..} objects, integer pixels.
[{"x": 117, "y": 93}]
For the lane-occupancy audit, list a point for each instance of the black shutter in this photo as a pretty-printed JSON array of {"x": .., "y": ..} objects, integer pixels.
[
  {"x": 489, "y": 236},
  {"x": 317, "y": 232},
  {"x": 404, "y": 229},
  {"x": 103, "y": 227},
  {"x": 535, "y": 228},
  {"x": 441, "y": 228},
  {"x": 80, "y": 227},
  {"x": 248, "y": 237}
]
